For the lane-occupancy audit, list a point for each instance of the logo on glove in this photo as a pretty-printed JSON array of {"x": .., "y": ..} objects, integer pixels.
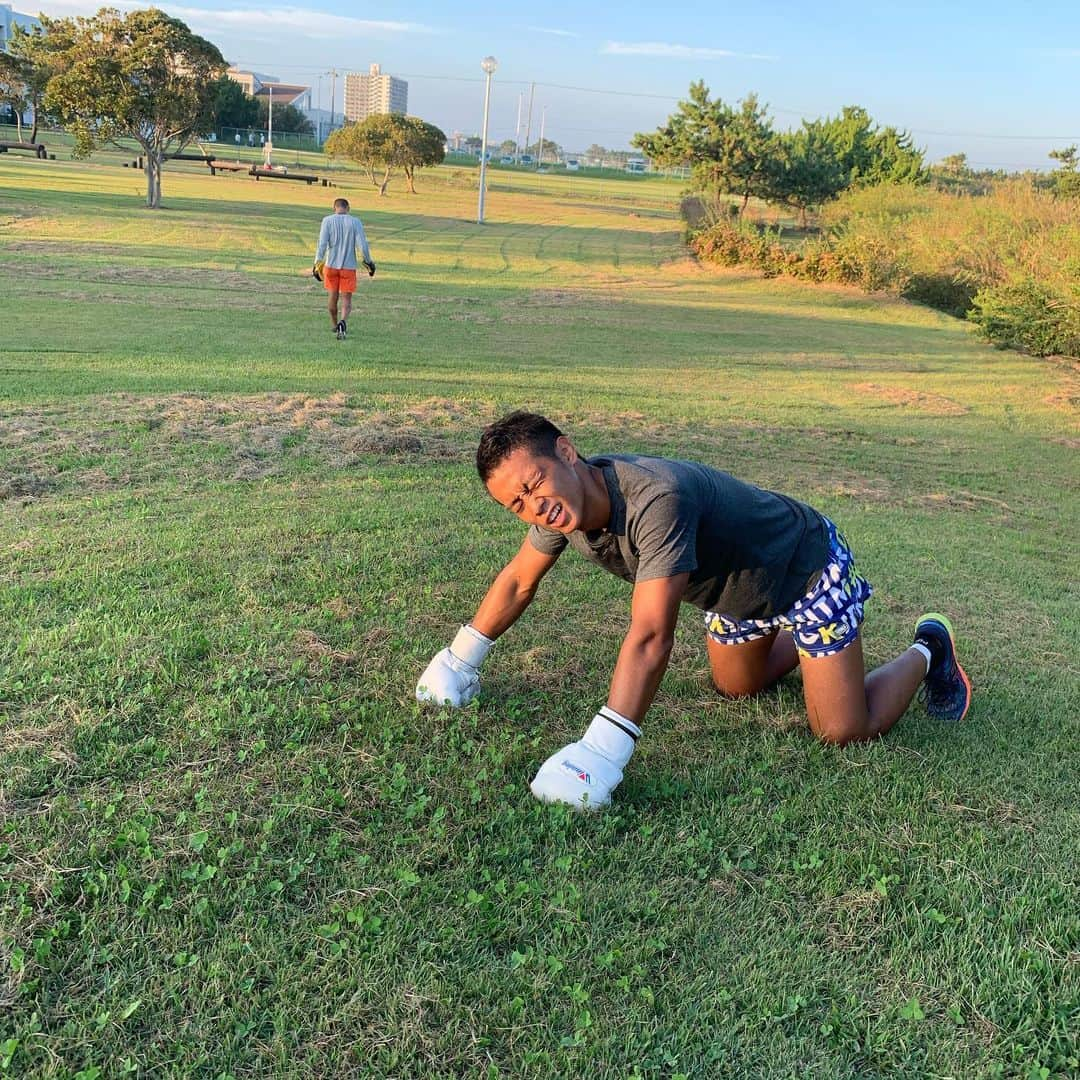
[{"x": 577, "y": 772}]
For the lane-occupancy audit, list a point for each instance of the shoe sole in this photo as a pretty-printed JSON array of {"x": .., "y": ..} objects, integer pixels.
[{"x": 943, "y": 620}]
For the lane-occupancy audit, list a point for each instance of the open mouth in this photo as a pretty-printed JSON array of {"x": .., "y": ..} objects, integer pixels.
[{"x": 555, "y": 515}]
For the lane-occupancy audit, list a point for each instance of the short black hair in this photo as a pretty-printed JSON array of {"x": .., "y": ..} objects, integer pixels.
[
  {"x": 514, "y": 431},
  {"x": 341, "y": 204}
]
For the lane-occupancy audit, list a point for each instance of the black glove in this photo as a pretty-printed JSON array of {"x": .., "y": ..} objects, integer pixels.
[
  {"x": 370, "y": 268},
  {"x": 316, "y": 271}
]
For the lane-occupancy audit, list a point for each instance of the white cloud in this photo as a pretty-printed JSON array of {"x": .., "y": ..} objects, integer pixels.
[
  {"x": 296, "y": 21},
  {"x": 677, "y": 52},
  {"x": 549, "y": 30}
]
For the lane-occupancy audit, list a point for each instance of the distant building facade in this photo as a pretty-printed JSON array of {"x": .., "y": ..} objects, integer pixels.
[
  {"x": 373, "y": 93},
  {"x": 264, "y": 87},
  {"x": 10, "y": 19}
]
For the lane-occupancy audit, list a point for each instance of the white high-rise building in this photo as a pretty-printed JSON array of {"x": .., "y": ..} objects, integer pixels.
[{"x": 366, "y": 95}]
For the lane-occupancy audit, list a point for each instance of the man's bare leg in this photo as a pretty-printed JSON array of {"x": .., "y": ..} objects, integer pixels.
[
  {"x": 346, "y": 300},
  {"x": 332, "y": 304},
  {"x": 845, "y": 704},
  {"x": 739, "y": 670}
]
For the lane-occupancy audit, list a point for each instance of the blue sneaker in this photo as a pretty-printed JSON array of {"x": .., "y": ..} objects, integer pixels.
[{"x": 946, "y": 690}]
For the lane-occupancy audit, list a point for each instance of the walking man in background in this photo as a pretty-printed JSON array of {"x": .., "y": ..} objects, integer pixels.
[{"x": 335, "y": 261}]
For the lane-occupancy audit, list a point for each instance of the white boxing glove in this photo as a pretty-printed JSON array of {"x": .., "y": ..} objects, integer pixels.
[
  {"x": 452, "y": 677},
  {"x": 585, "y": 773}
]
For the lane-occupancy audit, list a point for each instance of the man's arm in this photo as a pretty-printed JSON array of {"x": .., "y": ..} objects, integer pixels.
[
  {"x": 512, "y": 590},
  {"x": 585, "y": 773},
  {"x": 361, "y": 239},
  {"x": 645, "y": 651},
  {"x": 453, "y": 677},
  {"x": 324, "y": 239}
]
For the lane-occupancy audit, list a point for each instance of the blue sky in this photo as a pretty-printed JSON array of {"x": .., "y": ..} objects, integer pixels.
[{"x": 954, "y": 74}]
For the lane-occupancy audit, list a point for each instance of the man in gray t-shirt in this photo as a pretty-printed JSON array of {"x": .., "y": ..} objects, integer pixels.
[{"x": 775, "y": 578}]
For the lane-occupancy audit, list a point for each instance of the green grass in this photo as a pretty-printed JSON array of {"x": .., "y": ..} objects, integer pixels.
[{"x": 230, "y": 842}]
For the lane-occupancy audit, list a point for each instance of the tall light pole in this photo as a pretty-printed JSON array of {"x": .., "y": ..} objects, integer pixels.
[
  {"x": 528, "y": 123},
  {"x": 540, "y": 156},
  {"x": 488, "y": 65}
]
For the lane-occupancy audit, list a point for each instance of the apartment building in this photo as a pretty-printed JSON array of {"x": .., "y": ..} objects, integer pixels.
[{"x": 374, "y": 92}]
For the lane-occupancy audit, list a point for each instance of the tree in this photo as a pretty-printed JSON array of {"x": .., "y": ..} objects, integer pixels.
[
  {"x": 233, "y": 107},
  {"x": 425, "y": 145},
  {"x": 286, "y": 118},
  {"x": 871, "y": 155},
  {"x": 807, "y": 171},
  {"x": 1067, "y": 156},
  {"x": 550, "y": 151},
  {"x": 29, "y": 59},
  {"x": 507, "y": 147},
  {"x": 386, "y": 142},
  {"x": 143, "y": 76},
  {"x": 955, "y": 165},
  {"x": 13, "y": 91},
  {"x": 1067, "y": 178},
  {"x": 730, "y": 151}
]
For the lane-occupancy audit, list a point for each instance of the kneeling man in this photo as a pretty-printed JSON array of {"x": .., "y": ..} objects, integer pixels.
[{"x": 775, "y": 579}]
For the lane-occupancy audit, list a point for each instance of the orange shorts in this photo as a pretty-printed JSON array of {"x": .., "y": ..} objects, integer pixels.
[{"x": 339, "y": 280}]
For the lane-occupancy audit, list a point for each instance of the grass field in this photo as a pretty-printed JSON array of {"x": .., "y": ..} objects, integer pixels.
[{"x": 230, "y": 842}]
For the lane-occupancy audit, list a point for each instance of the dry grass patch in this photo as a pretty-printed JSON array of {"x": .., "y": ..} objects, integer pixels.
[{"x": 903, "y": 397}]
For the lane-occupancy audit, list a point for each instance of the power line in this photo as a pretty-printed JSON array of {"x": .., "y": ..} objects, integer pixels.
[{"x": 674, "y": 98}]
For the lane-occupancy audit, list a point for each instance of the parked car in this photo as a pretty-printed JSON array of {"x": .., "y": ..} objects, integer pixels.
[
  {"x": 506, "y": 159},
  {"x": 572, "y": 165},
  {"x": 527, "y": 159}
]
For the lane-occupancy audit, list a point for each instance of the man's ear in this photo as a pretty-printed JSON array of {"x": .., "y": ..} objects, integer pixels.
[{"x": 565, "y": 450}]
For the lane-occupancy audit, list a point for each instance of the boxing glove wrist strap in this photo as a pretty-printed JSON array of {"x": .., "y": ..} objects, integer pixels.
[
  {"x": 612, "y": 735},
  {"x": 471, "y": 646}
]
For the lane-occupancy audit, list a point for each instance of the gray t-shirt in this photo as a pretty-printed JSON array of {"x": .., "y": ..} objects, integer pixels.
[{"x": 750, "y": 553}]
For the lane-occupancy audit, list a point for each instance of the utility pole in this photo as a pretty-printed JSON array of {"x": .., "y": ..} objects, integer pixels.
[
  {"x": 333, "y": 91},
  {"x": 540, "y": 156},
  {"x": 517, "y": 130},
  {"x": 269, "y": 128},
  {"x": 528, "y": 123}
]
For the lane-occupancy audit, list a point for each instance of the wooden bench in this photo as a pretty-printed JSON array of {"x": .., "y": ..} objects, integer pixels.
[
  {"x": 271, "y": 174},
  {"x": 37, "y": 149},
  {"x": 228, "y": 166}
]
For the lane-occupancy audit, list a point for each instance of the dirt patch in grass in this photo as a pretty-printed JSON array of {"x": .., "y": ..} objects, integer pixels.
[
  {"x": 22, "y": 486},
  {"x": 123, "y": 440},
  {"x": 930, "y": 404}
]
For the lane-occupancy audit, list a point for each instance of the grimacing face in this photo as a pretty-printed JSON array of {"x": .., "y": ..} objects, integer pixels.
[{"x": 541, "y": 490}]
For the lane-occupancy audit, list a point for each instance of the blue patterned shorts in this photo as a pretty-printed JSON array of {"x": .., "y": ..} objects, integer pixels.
[{"x": 825, "y": 621}]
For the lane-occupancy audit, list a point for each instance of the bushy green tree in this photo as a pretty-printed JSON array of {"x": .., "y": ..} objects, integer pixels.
[
  {"x": 233, "y": 107},
  {"x": 730, "y": 151},
  {"x": 29, "y": 62},
  {"x": 955, "y": 165},
  {"x": 550, "y": 151},
  {"x": 386, "y": 142},
  {"x": 1067, "y": 178},
  {"x": 13, "y": 93},
  {"x": 286, "y": 118},
  {"x": 807, "y": 171},
  {"x": 142, "y": 76},
  {"x": 871, "y": 155}
]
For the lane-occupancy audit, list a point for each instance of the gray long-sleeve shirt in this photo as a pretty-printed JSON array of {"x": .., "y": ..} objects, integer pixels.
[{"x": 338, "y": 238}]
